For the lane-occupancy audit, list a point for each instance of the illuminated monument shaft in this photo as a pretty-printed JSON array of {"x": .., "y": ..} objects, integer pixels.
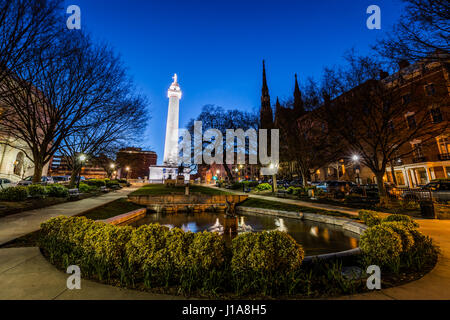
[{"x": 171, "y": 142}]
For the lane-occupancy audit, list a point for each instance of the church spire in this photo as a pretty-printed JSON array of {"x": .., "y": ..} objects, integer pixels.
[
  {"x": 298, "y": 102},
  {"x": 265, "y": 114},
  {"x": 265, "y": 88},
  {"x": 277, "y": 113}
]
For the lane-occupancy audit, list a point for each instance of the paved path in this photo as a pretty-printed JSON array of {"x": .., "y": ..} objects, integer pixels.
[
  {"x": 19, "y": 224},
  {"x": 26, "y": 275}
]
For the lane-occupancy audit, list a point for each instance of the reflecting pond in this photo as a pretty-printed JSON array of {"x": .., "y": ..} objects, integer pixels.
[{"x": 315, "y": 237}]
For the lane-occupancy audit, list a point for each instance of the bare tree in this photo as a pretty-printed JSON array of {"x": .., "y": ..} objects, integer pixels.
[
  {"x": 306, "y": 142},
  {"x": 423, "y": 29},
  {"x": 371, "y": 116},
  {"x": 214, "y": 117},
  {"x": 25, "y": 26},
  {"x": 106, "y": 130},
  {"x": 61, "y": 85}
]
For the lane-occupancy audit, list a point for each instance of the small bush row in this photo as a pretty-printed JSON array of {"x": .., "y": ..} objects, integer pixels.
[
  {"x": 395, "y": 242},
  {"x": 21, "y": 193},
  {"x": 158, "y": 256}
]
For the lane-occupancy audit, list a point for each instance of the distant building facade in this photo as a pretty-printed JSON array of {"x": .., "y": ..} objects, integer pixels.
[{"x": 137, "y": 161}]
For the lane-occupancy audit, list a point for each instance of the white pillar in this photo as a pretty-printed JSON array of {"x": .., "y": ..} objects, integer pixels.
[{"x": 171, "y": 142}]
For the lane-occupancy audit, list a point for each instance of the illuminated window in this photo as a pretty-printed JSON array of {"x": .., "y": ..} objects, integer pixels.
[{"x": 444, "y": 145}]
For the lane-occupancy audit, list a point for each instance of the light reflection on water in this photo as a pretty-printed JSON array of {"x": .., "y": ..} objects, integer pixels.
[{"x": 315, "y": 237}]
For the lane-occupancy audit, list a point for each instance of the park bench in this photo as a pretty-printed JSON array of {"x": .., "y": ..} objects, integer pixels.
[
  {"x": 282, "y": 193},
  {"x": 103, "y": 189},
  {"x": 74, "y": 193}
]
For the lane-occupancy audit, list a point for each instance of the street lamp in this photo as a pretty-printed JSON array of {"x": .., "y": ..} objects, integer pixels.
[
  {"x": 82, "y": 158},
  {"x": 127, "y": 169},
  {"x": 355, "y": 159},
  {"x": 274, "y": 178}
]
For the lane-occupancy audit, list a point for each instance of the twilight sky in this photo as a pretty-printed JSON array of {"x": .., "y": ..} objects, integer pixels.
[{"x": 216, "y": 47}]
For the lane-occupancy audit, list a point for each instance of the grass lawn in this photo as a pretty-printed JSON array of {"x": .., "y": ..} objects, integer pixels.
[
  {"x": 112, "y": 209},
  {"x": 274, "y": 205},
  {"x": 160, "y": 189}
]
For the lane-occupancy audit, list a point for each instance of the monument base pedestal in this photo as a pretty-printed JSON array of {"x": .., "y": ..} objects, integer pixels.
[{"x": 158, "y": 174}]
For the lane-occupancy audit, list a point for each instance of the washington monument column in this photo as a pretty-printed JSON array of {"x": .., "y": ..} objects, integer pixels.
[{"x": 171, "y": 143}]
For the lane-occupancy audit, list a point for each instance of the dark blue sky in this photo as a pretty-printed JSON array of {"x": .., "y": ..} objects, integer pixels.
[{"x": 216, "y": 47}]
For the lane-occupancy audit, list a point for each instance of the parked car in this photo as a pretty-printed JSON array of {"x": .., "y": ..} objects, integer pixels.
[
  {"x": 440, "y": 190},
  {"x": 296, "y": 183},
  {"x": 61, "y": 179},
  {"x": 337, "y": 188},
  {"x": 29, "y": 180},
  {"x": 369, "y": 190},
  {"x": 6, "y": 183}
]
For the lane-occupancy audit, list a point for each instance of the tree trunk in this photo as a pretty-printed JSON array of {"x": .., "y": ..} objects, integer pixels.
[
  {"x": 381, "y": 189},
  {"x": 73, "y": 178},
  {"x": 229, "y": 174},
  {"x": 303, "y": 179},
  {"x": 38, "y": 168}
]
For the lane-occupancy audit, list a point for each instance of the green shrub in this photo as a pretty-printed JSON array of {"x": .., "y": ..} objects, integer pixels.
[
  {"x": 112, "y": 183},
  {"x": 263, "y": 187},
  {"x": 424, "y": 251},
  {"x": 404, "y": 233},
  {"x": 57, "y": 190},
  {"x": 96, "y": 182},
  {"x": 84, "y": 188},
  {"x": 407, "y": 220},
  {"x": 272, "y": 251},
  {"x": 36, "y": 191},
  {"x": 381, "y": 245},
  {"x": 18, "y": 193},
  {"x": 370, "y": 218}
]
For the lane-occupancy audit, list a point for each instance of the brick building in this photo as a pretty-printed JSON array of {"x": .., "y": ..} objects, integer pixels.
[{"x": 137, "y": 161}]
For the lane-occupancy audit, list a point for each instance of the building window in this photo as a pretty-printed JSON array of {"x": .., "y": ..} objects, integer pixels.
[
  {"x": 418, "y": 153},
  {"x": 436, "y": 115},
  {"x": 406, "y": 99},
  {"x": 430, "y": 90},
  {"x": 18, "y": 164},
  {"x": 411, "y": 120},
  {"x": 444, "y": 145}
]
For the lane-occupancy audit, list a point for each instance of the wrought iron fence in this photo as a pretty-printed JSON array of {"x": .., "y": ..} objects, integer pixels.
[{"x": 409, "y": 194}]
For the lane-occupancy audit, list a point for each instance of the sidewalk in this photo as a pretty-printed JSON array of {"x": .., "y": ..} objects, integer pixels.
[
  {"x": 26, "y": 275},
  {"x": 19, "y": 224}
]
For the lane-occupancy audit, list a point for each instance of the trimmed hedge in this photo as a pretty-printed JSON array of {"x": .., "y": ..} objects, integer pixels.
[
  {"x": 273, "y": 251},
  {"x": 406, "y": 220},
  {"x": 57, "y": 190},
  {"x": 36, "y": 191},
  {"x": 263, "y": 187},
  {"x": 381, "y": 245},
  {"x": 158, "y": 256},
  {"x": 18, "y": 193},
  {"x": 370, "y": 218}
]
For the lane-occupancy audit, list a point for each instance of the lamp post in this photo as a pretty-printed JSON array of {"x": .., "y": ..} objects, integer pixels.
[
  {"x": 127, "y": 169},
  {"x": 355, "y": 159},
  {"x": 112, "y": 166},
  {"x": 274, "y": 178},
  {"x": 82, "y": 158}
]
